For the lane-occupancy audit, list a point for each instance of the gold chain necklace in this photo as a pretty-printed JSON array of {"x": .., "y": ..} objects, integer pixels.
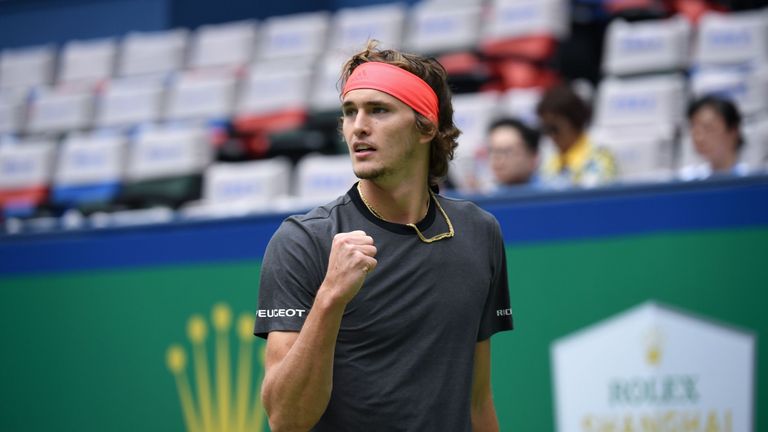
[{"x": 444, "y": 235}]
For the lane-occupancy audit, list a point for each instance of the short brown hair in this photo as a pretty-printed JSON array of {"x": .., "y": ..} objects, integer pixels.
[
  {"x": 563, "y": 101},
  {"x": 444, "y": 143}
]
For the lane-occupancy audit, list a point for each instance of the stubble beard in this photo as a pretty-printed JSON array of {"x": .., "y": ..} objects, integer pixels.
[{"x": 372, "y": 173}]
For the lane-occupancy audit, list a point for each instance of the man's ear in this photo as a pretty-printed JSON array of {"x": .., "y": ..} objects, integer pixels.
[{"x": 428, "y": 136}]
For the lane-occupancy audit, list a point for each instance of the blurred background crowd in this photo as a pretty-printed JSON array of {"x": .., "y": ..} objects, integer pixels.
[{"x": 237, "y": 113}]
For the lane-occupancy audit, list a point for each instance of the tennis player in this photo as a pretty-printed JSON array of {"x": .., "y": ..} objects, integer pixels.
[{"x": 378, "y": 307}]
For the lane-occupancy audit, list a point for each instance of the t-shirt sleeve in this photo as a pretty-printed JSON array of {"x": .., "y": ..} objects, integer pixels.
[
  {"x": 290, "y": 277},
  {"x": 497, "y": 314}
]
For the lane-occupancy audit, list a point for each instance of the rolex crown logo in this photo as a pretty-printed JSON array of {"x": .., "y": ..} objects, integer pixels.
[
  {"x": 231, "y": 406},
  {"x": 653, "y": 348}
]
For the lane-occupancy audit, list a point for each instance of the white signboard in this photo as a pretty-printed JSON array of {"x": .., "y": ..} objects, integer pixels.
[{"x": 653, "y": 368}]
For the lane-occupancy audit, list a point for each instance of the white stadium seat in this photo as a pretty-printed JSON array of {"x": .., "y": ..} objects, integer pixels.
[
  {"x": 85, "y": 159},
  {"x": 297, "y": 35},
  {"x": 87, "y": 61},
  {"x": 26, "y": 164},
  {"x": 201, "y": 96},
  {"x": 521, "y": 104},
  {"x": 353, "y": 27},
  {"x": 646, "y": 46},
  {"x": 436, "y": 27},
  {"x": 54, "y": 111},
  {"x": 322, "y": 178},
  {"x": 268, "y": 91},
  {"x": 641, "y": 152},
  {"x": 732, "y": 38},
  {"x": 27, "y": 67},
  {"x": 748, "y": 89},
  {"x": 11, "y": 112},
  {"x": 325, "y": 89},
  {"x": 130, "y": 101},
  {"x": 755, "y": 151},
  {"x": 152, "y": 52},
  {"x": 649, "y": 100},
  {"x": 168, "y": 152},
  {"x": 518, "y": 18},
  {"x": 472, "y": 114},
  {"x": 255, "y": 181},
  {"x": 223, "y": 45}
]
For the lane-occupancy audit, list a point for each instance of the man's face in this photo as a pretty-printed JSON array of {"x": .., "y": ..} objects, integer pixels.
[
  {"x": 560, "y": 130},
  {"x": 711, "y": 136},
  {"x": 511, "y": 161},
  {"x": 382, "y": 137}
]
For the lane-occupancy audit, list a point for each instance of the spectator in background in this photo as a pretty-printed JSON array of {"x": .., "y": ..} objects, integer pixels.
[
  {"x": 715, "y": 127},
  {"x": 564, "y": 117},
  {"x": 513, "y": 150}
]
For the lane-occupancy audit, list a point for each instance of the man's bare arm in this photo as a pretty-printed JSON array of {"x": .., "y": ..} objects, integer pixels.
[
  {"x": 483, "y": 410},
  {"x": 298, "y": 376}
]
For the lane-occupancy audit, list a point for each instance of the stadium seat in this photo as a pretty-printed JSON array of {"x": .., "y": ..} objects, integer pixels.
[
  {"x": 646, "y": 46},
  {"x": 324, "y": 94},
  {"x": 524, "y": 28},
  {"x": 642, "y": 153},
  {"x": 473, "y": 113},
  {"x": 322, "y": 178},
  {"x": 748, "y": 89},
  {"x": 739, "y": 38},
  {"x": 11, "y": 112},
  {"x": 159, "y": 52},
  {"x": 89, "y": 169},
  {"x": 755, "y": 151},
  {"x": 521, "y": 103},
  {"x": 53, "y": 110},
  {"x": 130, "y": 101},
  {"x": 439, "y": 27},
  {"x": 273, "y": 99},
  {"x": 23, "y": 68},
  {"x": 165, "y": 166},
  {"x": 352, "y": 27},
  {"x": 293, "y": 36},
  {"x": 231, "y": 189},
  {"x": 228, "y": 45},
  {"x": 200, "y": 95},
  {"x": 25, "y": 175},
  {"x": 653, "y": 100},
  {"x": 87, "y": 61}
]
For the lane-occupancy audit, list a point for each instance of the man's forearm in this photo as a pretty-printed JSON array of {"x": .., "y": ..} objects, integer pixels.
[
  {"x": 296, "y": 390},
  {"x": 484, "y": 417}
]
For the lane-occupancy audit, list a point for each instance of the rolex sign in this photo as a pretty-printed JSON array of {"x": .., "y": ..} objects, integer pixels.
[{"x": 655, "y": 369}]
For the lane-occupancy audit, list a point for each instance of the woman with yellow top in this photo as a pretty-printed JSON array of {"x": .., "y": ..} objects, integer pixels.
[{"x": 564, "y": 117}]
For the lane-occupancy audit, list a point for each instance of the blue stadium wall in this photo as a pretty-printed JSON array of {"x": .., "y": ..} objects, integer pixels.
[
  {"x": 38, "y": 22},
  {"x": 139, "y": 328}
]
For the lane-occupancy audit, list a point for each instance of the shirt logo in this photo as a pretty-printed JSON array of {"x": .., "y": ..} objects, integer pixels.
[
  {"x": 273, "y": 313},
  {"x": 503, "y": 312}
]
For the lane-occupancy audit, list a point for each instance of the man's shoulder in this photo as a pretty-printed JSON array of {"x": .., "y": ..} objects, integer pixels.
[
  {"x": 318, "y": 218},
  {"x": 467, "y": 210}
]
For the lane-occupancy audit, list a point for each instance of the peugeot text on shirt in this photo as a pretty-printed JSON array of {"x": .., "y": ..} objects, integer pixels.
[{"x": 272, "y": 313}]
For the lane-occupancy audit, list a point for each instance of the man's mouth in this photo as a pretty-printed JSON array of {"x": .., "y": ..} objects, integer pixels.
[{"x": 363, "y": 148}]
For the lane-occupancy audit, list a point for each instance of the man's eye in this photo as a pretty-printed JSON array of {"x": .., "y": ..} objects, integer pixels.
[
  {"x": 348, "y": 112},
  {"x": 378, "y": 110}
]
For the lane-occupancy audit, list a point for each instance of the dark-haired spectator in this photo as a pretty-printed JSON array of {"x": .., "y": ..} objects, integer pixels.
[
  {"x": 715, "y": 127},
  {"x": 564, "y": 117},
  {"x": 513, "y": 152}
]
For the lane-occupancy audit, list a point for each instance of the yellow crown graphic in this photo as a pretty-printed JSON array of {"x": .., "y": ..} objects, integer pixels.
[
  {"x": 226, "y": 411},
  {"x": 654, "y": 341}
]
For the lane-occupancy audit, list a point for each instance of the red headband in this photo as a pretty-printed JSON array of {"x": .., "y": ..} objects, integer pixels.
[{"x": 397, "y": 82}]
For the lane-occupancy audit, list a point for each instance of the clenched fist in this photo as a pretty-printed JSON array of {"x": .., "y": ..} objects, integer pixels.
[{"x": 351, "y": 259}]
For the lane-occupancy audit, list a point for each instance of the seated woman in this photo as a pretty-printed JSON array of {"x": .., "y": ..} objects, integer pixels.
[{"x": 715, "y": 128}]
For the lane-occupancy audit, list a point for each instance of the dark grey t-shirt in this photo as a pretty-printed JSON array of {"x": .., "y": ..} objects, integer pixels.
[{"x": 404, "y": 354}]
